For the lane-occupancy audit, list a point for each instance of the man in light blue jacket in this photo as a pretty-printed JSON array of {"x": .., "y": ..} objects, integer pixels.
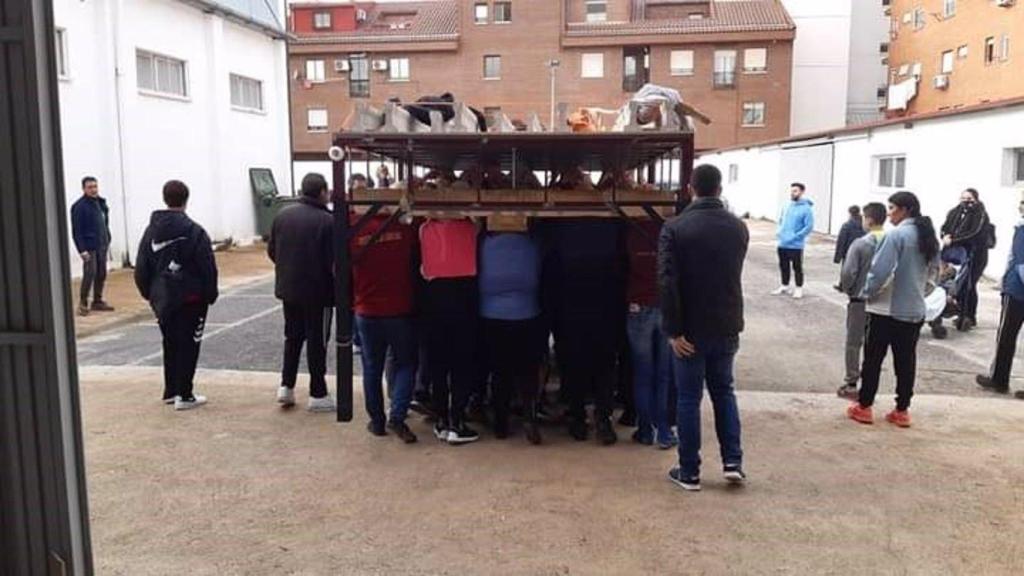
[{"x": 795, "y": 224}]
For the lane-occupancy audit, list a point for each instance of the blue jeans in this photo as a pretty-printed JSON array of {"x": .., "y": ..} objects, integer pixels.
[
  {"x": 378, "y": 336},
  {"x": 652, "y": 372},
  {"x": 712, "y": 363}
]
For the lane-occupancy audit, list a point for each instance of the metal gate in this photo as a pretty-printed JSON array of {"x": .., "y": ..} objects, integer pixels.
[{"x": 43, "y": 517}]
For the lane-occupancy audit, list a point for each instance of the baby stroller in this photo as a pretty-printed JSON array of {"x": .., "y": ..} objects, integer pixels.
[{"x": 953, "y": 279}]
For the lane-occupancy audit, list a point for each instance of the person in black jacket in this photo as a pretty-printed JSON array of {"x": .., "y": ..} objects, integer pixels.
[
  {"x": 90, "y": 228},
  {"x": 968, "y": 226},
  {"x": 301, "y": 247},
  {"x": 700, "y": 269},
  {"x": 176, "y": 272},
  {"x": 851, "y": 230}
]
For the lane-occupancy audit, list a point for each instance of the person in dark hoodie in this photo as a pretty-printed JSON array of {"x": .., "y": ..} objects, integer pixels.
[
  {"x": 968, "y": 226},
  {"x": 852, "y": 230},
  {"x": 176, "y": 272},
  {"x": 700, "y": 277},
  {"x": 90, "y": 228},
  {"x": 301, "y": 247}
]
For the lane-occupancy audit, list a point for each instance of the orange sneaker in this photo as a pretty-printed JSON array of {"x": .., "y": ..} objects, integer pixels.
[
  {"x": 899, "y": 418},
  {"x": 858, "y": 413}
]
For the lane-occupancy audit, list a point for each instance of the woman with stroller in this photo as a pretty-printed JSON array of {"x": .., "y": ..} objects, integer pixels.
[{"x": 967, "y": 230}]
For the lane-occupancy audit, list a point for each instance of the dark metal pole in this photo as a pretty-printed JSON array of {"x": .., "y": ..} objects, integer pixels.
[{"x": 342, "y": 293}]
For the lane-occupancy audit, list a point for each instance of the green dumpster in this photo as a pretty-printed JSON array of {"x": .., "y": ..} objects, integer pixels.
[{"x": 266, "y": 201}]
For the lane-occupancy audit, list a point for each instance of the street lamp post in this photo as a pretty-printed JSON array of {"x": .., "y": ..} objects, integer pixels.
[{"x": 553, "y": 65}]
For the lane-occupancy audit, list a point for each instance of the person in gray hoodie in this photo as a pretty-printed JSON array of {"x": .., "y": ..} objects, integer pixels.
[
  {"x": 894, "y": 292},
  {"x": 856, "y": 265}
]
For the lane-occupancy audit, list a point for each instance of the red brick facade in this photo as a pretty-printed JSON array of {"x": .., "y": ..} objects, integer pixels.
[{"x": 446, "y": 52}]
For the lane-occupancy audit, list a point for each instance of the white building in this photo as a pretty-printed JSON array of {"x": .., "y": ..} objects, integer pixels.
[
  {"x": 153, "y": 90},
  {"x": 838, "y": 66},
  {"x": 935, "y": 156}
]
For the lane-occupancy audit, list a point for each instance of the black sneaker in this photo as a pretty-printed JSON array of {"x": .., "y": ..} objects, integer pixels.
[
  {"x": 987, "y": 383},
  {"x": 734, "y": 474},
  {"x": 423, "y": 408},
  {"x": 606, "y": 432},
  {"x": 1019, "y": 394},
  {"x": 441, "y": 431},
  {"x": 462, "y": 434},
  {"x": 376, "y": 428},
  {"x": 578, "y": 430},
  {"x": 403, "y": 432},
  {"x": 690, "y": 484},
  {"x": 644, "y": 439},
  {"x": 533, "y": 433},
  {"x": 848, "y": 391}
]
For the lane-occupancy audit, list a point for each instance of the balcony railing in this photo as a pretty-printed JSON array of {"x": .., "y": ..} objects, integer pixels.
[{"x": 725, "y": 79}]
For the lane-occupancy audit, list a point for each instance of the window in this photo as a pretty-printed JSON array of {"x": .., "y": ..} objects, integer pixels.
[
  {"x": 635, "y": 67},
  {"x": 61, "y": 38},
  {"x": 892, "y": 171},
  {"x": 962, "y": 52},
  {"x": 502, "y": 12},
  {"x": 592, "y": 66},
  {"x": 734, "y": 173},
  {"x": 398, "y": 69},
  {"x": 990, "y": 50},
  {"x": 246, "y": 93},
  {"x": 949, "y": 8},
  {"x": 315, "y": 71},
  {"x": 947, "y": 62},
  {"x": 492, "y": 67},
  {"x": 481, "y": 13},
  {"x": 725, "y": 68},
  {"x": 755, "y": 60},
  {"x": 316, "y": 120},
  {"x": 597, "y": 10},
  {"x": 1018, "y": 173},
  {"x": 161, "y": 74},
  {"x": 919, "y": 18},
  {"x": 321, "y": 20},
  {"x": 753, "y": 113},
  {"x": 681, "y": 63},
  {"x": 359, "y": 76},
  {"x": 1004, "y": 48}
]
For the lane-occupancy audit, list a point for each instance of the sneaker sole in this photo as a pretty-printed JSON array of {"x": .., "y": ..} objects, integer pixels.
[
  {"x": 685, "y": 486},
  {"x": 457, "y": 441},
  {"x": 898, "y": 424},
  {"x": 186, "y": 407},
  {"x": 735, "y": 478},
  {"x": 441, "y": 436},
  {"x": 324, "y": 410}
]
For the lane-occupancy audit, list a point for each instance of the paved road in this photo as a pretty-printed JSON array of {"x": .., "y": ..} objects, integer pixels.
[{"x": 792, "y": 346}]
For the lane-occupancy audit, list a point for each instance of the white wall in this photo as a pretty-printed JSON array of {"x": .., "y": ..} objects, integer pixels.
[
  {"x": 836, "y": 66},
  {"x": 944, "y": 156},
  {"x": 201, "y": 140}
]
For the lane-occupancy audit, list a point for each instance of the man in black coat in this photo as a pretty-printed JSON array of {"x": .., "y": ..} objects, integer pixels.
[
  {"x": 301, "y": 247},
  {"x": 90, "y": 228},
  {"x": 176, "y": 272},
  {"x": 700, "y": 269},
  {"x": 852, "y": 230},
  {"x": 968, "y": 226}
]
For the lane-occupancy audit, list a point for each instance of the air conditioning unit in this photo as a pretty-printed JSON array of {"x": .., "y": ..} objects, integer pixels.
[
  {"x": 380, "y": 65},
  {"x": 342, "y": 66},
  {"x": 361, "y": 15},
  {"x": 1005, "y": 3},
  {"x": 941, "y": 82}
]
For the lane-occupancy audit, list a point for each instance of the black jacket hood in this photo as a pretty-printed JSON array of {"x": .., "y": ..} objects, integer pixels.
[{"x": 170, "y": 224}]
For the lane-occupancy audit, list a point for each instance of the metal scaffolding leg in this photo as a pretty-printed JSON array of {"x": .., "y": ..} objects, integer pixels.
[{"x": 342, "y": 294}]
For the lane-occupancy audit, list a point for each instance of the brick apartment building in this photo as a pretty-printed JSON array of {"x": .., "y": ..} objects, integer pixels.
[
  {"x": 959, "y": 52},
  {"x": 731, "y": 59}
]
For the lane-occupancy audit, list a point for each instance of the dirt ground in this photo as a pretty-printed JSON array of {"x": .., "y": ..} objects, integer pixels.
[
  {"x": 241, "y": 487},
  {"x": 236, "y": 266}
]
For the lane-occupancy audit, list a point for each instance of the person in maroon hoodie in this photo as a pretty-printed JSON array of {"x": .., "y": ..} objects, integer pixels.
[
  {"x": 650, "y": 352},
  {"x": 383, "y": 275}
]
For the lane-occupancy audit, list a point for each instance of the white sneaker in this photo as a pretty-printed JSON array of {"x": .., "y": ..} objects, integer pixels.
[
  {"x": 325, "y": 404},
  {"x": 286, "y": 396},
  {"x": 196, "y": 402},
  {"x": 798, "y": 293},
  {"x": 782, "y": 290}
]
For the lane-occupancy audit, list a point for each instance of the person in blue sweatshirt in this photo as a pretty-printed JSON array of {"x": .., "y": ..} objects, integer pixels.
[
  {"x": 1011, "y": 318},
  {"x": 795, "y": 224}
]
